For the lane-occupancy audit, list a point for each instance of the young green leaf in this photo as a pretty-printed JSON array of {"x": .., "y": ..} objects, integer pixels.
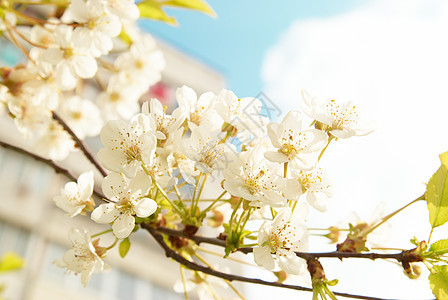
[
  {"x": 438, "y": 281},
  {"x": 437, "y": 194},
  {"x": 198, "y": 5},
  {"x": 124, "y": 246},
  {"x": 439, "y": 247},
  {"x": 153, "y": 10}
]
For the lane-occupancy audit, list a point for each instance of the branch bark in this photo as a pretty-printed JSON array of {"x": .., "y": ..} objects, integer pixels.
[
  {"x": 230, "y": 277},
  {"x": 82, "y": 146},
  {"x": 305, "y": 255}
]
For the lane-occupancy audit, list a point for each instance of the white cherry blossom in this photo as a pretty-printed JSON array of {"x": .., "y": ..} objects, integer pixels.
[
  {"x": 119, "y": 100},
  {"x": 143, "y": 60},
  {"x": 85, "y": 256},
  {"x": 199, "y": 111},
  {"x": 71, "y": 60},
  {"x": 253, "y": 178},
  {"x": 206, "y": 149},
  {"x": 96, "y": 27},
  {"x": 314, "y": 184},
  {"x": 171, "y": 157},
  {"x": 343, "y": 119},
  {"x": 75, "y": 197},
  {"x": 282, "y": 237},
  {"x": 124, "y": 9},
  {"x": 165, "y": 123},
  {"x": 55, "y": 143},
  {"x": 242, "y": 113},
  {"x": 82, "y": 116},
  {"x": 127, "y": 145},
  {"x": 301, "y": 148},
  {"x": 128, "y": 199}
]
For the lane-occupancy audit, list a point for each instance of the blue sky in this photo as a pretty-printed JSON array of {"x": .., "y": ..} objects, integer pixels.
[{"x": 235, "y": 42}]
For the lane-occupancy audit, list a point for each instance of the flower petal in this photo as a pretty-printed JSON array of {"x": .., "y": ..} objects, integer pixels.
[
  {"x": 105, "y": 213},
  {"x": 123, "y": 225},
  {"x": 263, "y": 257},
  {"x": 145, "y": 207}
]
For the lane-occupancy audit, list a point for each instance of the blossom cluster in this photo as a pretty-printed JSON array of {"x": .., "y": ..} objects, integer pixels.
[
  {"x": 70, "y": 59},
  {"x": 151, "y": 157}
]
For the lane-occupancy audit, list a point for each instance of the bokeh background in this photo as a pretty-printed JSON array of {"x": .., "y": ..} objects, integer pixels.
[{"x": 389, "y": 57}]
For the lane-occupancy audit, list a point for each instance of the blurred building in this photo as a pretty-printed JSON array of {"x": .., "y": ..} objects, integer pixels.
[{"x": 32, "y": 226}]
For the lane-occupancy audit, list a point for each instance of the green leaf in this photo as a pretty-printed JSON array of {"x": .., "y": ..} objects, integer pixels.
[
  {"x": 439, "y": 247},
  {"x": 438, "y": 281},
  {"x": 10, "y": 261},
  {"x": 198, "y": 5},
  {"x": 437, "y": 194},
  {"x": 124, "y": 246},
  {"x": 153, "y": 10}
]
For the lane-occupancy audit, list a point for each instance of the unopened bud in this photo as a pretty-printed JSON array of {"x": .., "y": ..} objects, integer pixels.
[
  {"x": 333, "y": 235},
  {"x": 352, "y": 245},
  {"x": 216, "y": 219},
  {"x": 413, "y": 271},
  {"x": 281, "y": 276}
]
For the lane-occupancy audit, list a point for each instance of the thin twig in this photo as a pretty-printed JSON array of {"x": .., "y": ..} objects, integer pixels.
[
  {"x": 48, "y": 162},
  {"x": 81, "y": 145},
  {"x": 231, "y": 277}
]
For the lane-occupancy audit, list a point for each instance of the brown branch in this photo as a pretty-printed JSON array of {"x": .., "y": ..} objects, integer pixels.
[
  {"x": 48, "y": 162},
  {"x": 231, "y": 277},
  {"x": 196, "y": 238},
  {"x": 81, "y": 145},
  {"x": 305, "y": 255}
]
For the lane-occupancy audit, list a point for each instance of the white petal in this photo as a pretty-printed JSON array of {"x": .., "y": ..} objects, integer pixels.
[
  {"x": 275, "y": 132},
  {"x": 292, "y": 189},
  {"x": 105, "y": 213},
  {"x": 145, "y": 207},
  {"x": 263, "y": 257},
  {"x": 293, "y": 120},
  {"x": 343, "y": 134},
  {"x": 85, "y": 183},
  {"x": 139, "y": 185},
  {"x": 85, "y": 66},
  {"x": 264, "y": 232},
  {"x": 290, "y": 263},
  {"x": 318, "y": 200},
  {"x": 123, "y": 225},
  {"x": 115, "y": 186},
  {"x": 77, "y": 236},
  {"x": 276, "y": 156},
  {"x": 65, "y": 77}
]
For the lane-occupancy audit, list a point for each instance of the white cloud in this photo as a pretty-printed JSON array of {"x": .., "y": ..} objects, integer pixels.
[{"x": 391, "y": 57}]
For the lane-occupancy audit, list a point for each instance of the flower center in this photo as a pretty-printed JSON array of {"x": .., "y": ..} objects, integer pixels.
[
  {"x": 68, "y": 53},
  {"x": 132, "y": 153}
]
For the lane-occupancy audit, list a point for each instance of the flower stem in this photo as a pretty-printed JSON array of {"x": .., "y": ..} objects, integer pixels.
[
  {"x": 386, "y": 218},
  {"x": 323, "y": 150},
  {"x": 211, "y": 205},
  {"x": 101, "y": 233},
  {"x": 161, "y": 190},
  {"x": 113, "y": 245},
  {"x": 232, "y": 216},
  {"x": 193, "y": 198},
  {"x": 184, "y": 283}
]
